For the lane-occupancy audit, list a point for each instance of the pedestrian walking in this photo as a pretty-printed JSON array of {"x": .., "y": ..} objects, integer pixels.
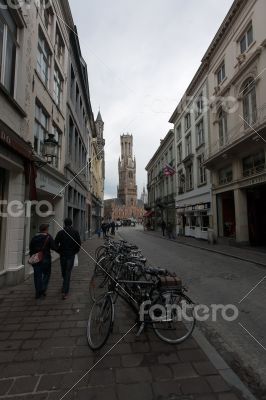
[
  {"x": 40, "y": 250},
  {"x": 112, "y": 228},
  {"x": 163, "y": 227},
  {"x": 104, "y": 228},
  {"x": 68, "y": 244}
]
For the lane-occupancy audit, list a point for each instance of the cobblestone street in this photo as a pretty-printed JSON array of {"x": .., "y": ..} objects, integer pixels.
[{"x": 43, "y": 351}]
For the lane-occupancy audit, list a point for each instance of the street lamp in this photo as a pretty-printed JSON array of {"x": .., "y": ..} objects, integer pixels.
[{"x": 49, "y": 151}]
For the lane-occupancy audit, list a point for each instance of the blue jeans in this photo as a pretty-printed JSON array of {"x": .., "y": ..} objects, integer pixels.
[
  {"x": 67, "y": 263},
  {"x": 42, "y": 273}
]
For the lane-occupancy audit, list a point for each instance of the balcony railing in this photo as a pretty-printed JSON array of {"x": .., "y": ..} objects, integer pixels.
[
  {"x": 239, "y": 131},
  {"x": 254, "y": 170}
]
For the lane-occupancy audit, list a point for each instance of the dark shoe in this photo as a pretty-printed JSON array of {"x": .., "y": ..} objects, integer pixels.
[
  {"x": 43, "y": 293},
  {"x": 38, "y": 296},
  {"x": 64, "y": 296}
]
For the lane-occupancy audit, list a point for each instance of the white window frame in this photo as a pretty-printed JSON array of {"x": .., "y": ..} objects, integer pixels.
[
  {"x": 201, "y": 170},
  {"x": 245, "y": 39},
  {"x": 58, "y": 87},
  {"x": 7, "y": 33},
  {"x": 188, "y": 141},
  {"x": 187, "y": 121},
  {"x": 43, "y": 59},
  {"x": 41, "y": 129},
  {"x": 179, "y": 153},
  {"x": 200, "y": 133},
  {"x": 220, "y": 73}
]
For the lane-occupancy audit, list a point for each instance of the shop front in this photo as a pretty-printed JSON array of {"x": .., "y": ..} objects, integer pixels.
[
  {"x": 194, "y": 220},
  {"x": 15, "y": 155}
]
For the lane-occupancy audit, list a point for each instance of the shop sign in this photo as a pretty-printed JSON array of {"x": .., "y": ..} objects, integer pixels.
[
  {"x": 13, "y": 141},
  {"x": 255, "y": 181}
]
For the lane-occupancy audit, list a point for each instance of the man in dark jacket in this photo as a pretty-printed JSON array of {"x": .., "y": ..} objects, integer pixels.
[
  {"x": 68, "y": 244},
  {"x": 42, "y": 271}
]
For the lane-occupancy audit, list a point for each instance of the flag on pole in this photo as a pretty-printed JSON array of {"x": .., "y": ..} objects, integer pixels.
[{"x": 168, "y": 170}]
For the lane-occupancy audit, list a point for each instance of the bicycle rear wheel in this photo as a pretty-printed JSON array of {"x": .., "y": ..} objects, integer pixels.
[
  {"x": 175, "y": 319},
  {"x": 100, "y": 322},
  {"x": 99, "y": 279}
]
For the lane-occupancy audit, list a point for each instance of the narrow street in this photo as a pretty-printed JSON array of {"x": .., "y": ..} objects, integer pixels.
[
  {"x": 44, "y": 353},
  {"x": 217, "y": 279}
]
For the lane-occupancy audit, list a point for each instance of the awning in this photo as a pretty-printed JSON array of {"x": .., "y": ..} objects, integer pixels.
[{"x": 149, "y": 214}]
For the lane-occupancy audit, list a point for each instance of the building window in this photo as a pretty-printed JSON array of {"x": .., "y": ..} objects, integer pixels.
[
  {"x": 246, "y": 40},
  {"x": 58, "y": 87},
  {"x": 179, "y": 153},
  {"x": 222, "y": 121},
  {"x": 199, "y": 105},
  {"x": 43, "y": 59},
  {"x": 181, "y": 182},
  {"x": 249, "y": 103},
  {"x": 41, "y": 129},
  {"x": 188, "y": 145},
  {"x": 220, "y": 74},
  {"x": 187, "y": 121},
  {"x": 47, "y": 13},
  {"x": 201, "y": 170},
  {"x": 59, "y": 47},
  {"x": 225, "y": 175},
  {"x": 254, "y": 164},
  {"x": 200, "y": 133},
  {"x": 72, "y": 84},
  {"x": 70, "y": 138},
  {"x": 58, "y": 137},
  {"x": 8, "y": 50},
  {"x": 189, "y": 177},
  {"x": 178, "y": 132}
]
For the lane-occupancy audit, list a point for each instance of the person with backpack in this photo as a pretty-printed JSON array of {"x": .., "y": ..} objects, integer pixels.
[
  {"x": 40, "y": 259},
  {"x": 68, "y": 244}
]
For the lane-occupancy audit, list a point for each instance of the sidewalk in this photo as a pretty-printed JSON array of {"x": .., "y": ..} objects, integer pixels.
[
  {"x": 44, "y": 352},
  {"x": 244, "y": 253}
]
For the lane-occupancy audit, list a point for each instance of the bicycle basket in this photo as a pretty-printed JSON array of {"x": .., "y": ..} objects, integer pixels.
[{"x": 172, "y": 282}]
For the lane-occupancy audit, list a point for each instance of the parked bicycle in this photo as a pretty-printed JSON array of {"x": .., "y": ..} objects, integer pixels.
[{"x": 156, "y": 296}]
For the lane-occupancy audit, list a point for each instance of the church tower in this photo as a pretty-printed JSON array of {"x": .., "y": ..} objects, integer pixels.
[{"x": 127, "y": 191}]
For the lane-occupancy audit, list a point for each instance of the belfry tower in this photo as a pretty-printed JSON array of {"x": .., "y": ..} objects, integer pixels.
[{"x": 127, "y": 191}]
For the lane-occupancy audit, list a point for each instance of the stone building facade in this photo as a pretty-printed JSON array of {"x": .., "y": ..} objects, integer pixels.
[
  {"x": 44, "y": 93},
  {"x": 161, "y": 188},
  {"x": 236, "y": 155}
]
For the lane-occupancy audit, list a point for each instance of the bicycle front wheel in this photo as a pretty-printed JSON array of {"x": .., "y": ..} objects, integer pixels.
[
  {"x": 173, "y": 316},
  {"x": 100, "y": 322}
]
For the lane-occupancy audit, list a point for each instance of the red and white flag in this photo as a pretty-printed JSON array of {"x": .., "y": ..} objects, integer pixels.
[{"x": 168, "y": 170}]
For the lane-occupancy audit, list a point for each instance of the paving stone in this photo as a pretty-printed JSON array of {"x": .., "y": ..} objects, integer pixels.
[
  {"x": 139, "y": 347},
  {"x": 131, "y": 375},
  {"x": 192, "y": 355},
  {"x": 168, "y": 358},
  {"x": 184, "y": 370},
  {"x": 131, "y": 360},
  {"x": 10, "y": 344},
  {"x": 111, "y": 361},
  {"x": 107, "y": 393},
  {"x": 82, "y": 364},
  {"x": 141, "y": 391},
  {"x": 217, "y": 383},
  {"x": 20, "y": 369},
  {"x": 5, "y": 385},
  {"x": 4, "y": 335},
  {"x": 166, "y": 390},
  {"x": 43, "y": 334},
  {"x": 227, "y": 396},
  {"x": 195, "y": 386},
  {"x": 22, "y": 335},
  {"x": 50, "y": 382},
  {"x": 205, "y": 368},
  {"x": 31, "y": 344},
  {"x": 103, "y": 377},
  {"x": 161, "y": 372},
  {"x": 49, "y": 325},
  {"x": 7, "y": 356},
  {"x": 24, "y": 355},
  {"x": 54, "y": 366},
  {"x": 24, "y": 385}
]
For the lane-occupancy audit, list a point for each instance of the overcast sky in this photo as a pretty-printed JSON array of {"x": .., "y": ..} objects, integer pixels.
[{"x": 141, "y": 56}]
